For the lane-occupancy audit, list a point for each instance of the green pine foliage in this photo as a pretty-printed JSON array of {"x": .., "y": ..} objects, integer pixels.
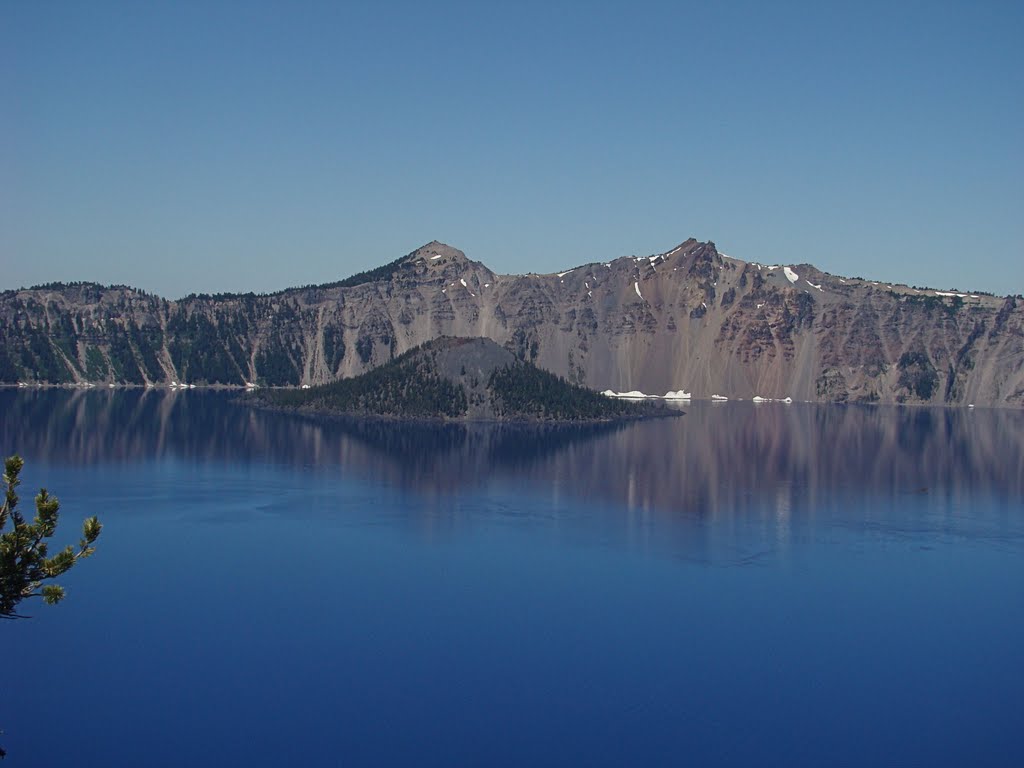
[
  {"x": 40, "y": 355},
  {"x": 25, "y": 561},
  {"x": 334, "y": 348},
  {"x": 9, "y": 372},
  {"x": 199, "y": 351},
  {"x": 274, "y": 366},
  {"x": 149, "y": 342},
  {"x": 375, "y": 275},
  {"x": 407, "y": 387},
  {"x": 521, "y": 390},
  {"x": 414, "y": 386},
  {"x": 95, "y": 364},
  {"x": 917, "y": 374},
  {"x": 122, "y": 357},
  {"x": 63, "y": 334},
  {"x": 379, "y": 274}
]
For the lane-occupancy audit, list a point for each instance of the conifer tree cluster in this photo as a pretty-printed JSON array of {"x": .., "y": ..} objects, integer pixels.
[
  {"x": 453, "y": 378},
  {"x": 25, "y": 561},
  {"x": 408, "y": 386},
  {"x": 524, "y": 390}
]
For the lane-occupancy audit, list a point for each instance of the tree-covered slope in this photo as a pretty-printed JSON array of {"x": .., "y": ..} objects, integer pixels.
[
  {"x": 410, "y": 386},
  {"x": 458, "y": 378},
  {"x": 522, "y": 390}
]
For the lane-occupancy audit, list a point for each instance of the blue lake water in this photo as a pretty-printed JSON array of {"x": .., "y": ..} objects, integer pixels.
[{"x": 745, "y": 585}]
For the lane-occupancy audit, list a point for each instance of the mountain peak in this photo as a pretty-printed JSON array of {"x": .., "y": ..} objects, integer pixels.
[
  {"x": 436, "y": 251},
  {"x": 689, "y": 244}
]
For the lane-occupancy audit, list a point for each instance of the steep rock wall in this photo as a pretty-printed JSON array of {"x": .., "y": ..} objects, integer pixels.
[{"x": 689, "y": 319}]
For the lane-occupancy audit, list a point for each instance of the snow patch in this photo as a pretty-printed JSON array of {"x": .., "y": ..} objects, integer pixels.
[
  {"x": 633, "y": 394},
  {"x": 814, "y": 286},
  {"x": 677, "y": 395},
  {"x": 636, "y": 287},
  {"x": 790, "y": 274},
  {"x": 463, "y": 281},
  {"x": 563, "y": 274},
  {"x": 435, "y": 257}
]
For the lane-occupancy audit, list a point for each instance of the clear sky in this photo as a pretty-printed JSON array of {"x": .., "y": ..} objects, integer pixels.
[{"x": 205, "y": 146}]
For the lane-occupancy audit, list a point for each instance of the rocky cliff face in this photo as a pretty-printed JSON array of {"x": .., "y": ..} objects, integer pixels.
[{"x": 690, "y": 318}]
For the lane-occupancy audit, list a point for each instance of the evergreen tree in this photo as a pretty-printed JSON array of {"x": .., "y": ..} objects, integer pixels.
[{"x": 25, "y": 562}]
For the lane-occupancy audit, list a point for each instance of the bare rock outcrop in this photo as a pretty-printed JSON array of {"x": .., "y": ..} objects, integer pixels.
[{"x": 690, "y": 318}]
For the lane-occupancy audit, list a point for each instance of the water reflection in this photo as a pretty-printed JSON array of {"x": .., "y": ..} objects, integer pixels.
[{"x": 713, "y": 461}]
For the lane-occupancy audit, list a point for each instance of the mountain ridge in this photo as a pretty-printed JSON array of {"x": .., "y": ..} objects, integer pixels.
[
  {"x": 365, "y": 275},
  {"x": 688, "y": 318}
]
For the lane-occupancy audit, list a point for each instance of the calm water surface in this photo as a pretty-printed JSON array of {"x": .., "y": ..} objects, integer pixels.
[{"x": 746, "y": 585}]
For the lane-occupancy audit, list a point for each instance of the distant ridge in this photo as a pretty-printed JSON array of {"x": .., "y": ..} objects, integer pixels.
[{"x": 687, "y": 319}]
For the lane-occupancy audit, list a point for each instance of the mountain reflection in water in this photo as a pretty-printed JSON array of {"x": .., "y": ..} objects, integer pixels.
[
  {"x": 717, "y": 459},
  {"x": 744, "y": 585}
]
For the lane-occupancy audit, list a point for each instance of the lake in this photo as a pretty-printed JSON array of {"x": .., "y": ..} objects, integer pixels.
[{"x": 746, "y": 585}]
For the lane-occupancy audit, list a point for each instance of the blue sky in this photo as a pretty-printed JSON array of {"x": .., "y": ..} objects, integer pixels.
[{"x": 198, "y": 146}]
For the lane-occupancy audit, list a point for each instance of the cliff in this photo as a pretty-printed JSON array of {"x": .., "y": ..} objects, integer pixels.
[{"x": 690, "y": 318}]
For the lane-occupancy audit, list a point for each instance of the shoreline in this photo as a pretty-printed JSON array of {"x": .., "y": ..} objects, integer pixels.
[
  {"x": 88, "y": 386},
  {"x": 327, "y": 413}
]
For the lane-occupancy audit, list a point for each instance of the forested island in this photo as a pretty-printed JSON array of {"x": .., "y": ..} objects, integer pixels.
[{"x": 471, "y": 379}]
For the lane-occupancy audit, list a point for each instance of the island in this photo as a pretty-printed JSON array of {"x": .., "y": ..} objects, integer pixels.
[{"x": 459, "y": 379}]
